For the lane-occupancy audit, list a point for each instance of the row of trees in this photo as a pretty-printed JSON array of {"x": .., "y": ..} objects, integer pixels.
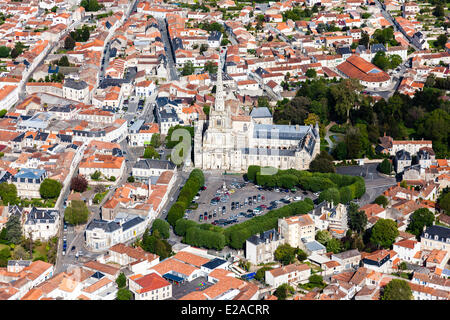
[
  {"x": 335, "y": 187},
  {"x": 77, "y": 213},
  {"x": 154, "y": 240},
  {"x": 215, "y": 237},
  {"x": 401, "y": 117},
  {"x": 193, "y": 184},
  {"x": 49, "y": 189}
]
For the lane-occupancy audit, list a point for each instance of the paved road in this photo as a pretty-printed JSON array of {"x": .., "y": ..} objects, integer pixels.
[
  {"x": 162, "y": 25},
  {"x": 375, "y": 183},
  {"x": 390, "y": 19}
]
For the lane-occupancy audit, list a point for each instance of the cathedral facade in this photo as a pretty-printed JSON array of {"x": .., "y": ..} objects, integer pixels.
[{"x": 234, "y": 141}]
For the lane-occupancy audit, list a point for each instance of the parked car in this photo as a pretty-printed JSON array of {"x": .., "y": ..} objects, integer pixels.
[{"x": 297, "y": 198}]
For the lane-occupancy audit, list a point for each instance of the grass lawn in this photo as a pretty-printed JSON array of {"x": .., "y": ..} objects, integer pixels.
[
  {"x": 40, "y": 252},
  {"x": 431, "y": 43},
  {"x": 99, "y": 197},
  {"x": 3, "y": 246}
]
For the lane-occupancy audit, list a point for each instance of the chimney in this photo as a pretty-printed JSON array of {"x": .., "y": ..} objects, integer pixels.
[{"x": 398, "y": 184}]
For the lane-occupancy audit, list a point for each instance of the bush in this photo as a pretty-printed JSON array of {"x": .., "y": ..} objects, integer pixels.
[
  {"x": 205, "y": 238},
  {"x": 385, "y": 167},
  {"x": 261, "y": 273},
  {"x": 237, "y": 234},
  {"x": 162, "y": 227},
  {"x": 77, "y": 213},
  {"x": 193, "y": 184},
  {"x": 79, "y": 184},
  {"x": 50, "y": 189}
]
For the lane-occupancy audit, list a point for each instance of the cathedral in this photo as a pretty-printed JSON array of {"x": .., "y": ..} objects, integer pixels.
[{"x": 232, "y": 140}]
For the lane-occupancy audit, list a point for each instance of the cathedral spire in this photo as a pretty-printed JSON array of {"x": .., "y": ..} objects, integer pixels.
[{"x": 219, "y": 103}]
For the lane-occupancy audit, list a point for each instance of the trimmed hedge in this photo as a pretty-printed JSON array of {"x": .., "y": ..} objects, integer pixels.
[
  {"x": 210, "y": 236},
  {"x": 349, "y": 187},
  {"x": 193, "y": 184},
  {"x": 237, "y": 234}
]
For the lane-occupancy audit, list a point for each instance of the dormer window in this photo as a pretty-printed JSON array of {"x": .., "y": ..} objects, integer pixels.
[{"x": 436, "y": 237}]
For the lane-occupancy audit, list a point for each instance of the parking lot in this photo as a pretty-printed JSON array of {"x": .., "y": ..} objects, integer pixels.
[{"x": 235, "y": 190}]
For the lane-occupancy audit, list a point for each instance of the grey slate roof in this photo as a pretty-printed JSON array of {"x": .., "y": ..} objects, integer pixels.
[
  {"x": 263, "y": 236},
  {"x": 77, "y": 85},
  {"x": 261, "y": 112},
  {"x": 314, "y": 246},
  {"x": 108, "y": 226},
  {"x": 443, "y": 233},
  {"x": 154, "y": 164},
  {"x": 347, "y": 254}
]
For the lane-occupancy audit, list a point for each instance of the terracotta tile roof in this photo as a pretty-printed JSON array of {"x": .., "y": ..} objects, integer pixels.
[
  {"x": 151, "y": 282},
  {"x": 171, "y": 264},
  {"x": 97, "y": 266},
  {"x": 191, "y": 258},
  {"x": 356, "y": 67}
]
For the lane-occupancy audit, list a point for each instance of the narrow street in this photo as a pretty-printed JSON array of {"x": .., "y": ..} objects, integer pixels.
[{"x": 173, "y": 75}]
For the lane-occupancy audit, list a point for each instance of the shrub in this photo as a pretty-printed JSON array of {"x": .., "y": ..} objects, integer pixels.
[
  {"x": 162, "y": 227},
  {"x": 50, "y": 189}
]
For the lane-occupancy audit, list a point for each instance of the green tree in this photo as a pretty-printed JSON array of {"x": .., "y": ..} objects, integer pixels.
[
  {"x": 210, "y": 67},
  {"x": 334, "y": 245},
  {"x": 330, "y": 195},
  {"x": 4, "y": 51},
  {"x": 124, "y": 293},
  {"x": 285, "y": 254},
  {"x": 151, "y": 153},
  {"x": 441, "y": 41},
  {"x": 8, "y": 193},
  {"x": 340, "y": 152},
  {"x": 301, "y": 255},
  {"x": 14, "y": 229},
  {"x": 381, "y": 61},
  {"x": 311, "y": 73},
  {"x": 77, "y": 213},
  {"x": 163, "y": 228},
  {"x": 50, "y": 189},
  {"x": 382, "y": 201},
  {"x": 96, "y": 175},
  {"x": 69, "y": 43},
  {"x": 19, "y": 253},
  {"x": 397, "y": 289},
  {"x": 121, "y": 280},
  {"x": 283, "y": 291},
  {"x": 394, "y": 61},
  {"x": 419, "y": 219},
  {"x": 5, "y": 255},
  {"x": 3, "y": 112},
  {"x": 64, "y": 62},
  {"x": 444, "y": 202},
  {"x": 316, "y": 279},
  {"x": 90, "y": 5},
  {"x": 14, "y": 53},
  {"x": 261, "y": 273},
  {"x": 131, "y": 179},
  {"x": 323, "y": 236},
  {"x": 353, "y": 142},
  {"x": 188, "y": 69},
  {"x": 364, "y": 39},
  {"x": 357, "y": 219},
  {"x": 384, "y": 233},
  {"x": 439, "y": 10},
  {"x": 155, "y": 141},
  {"x": 345, "y": 95},
  {"x": 385, "y": 167},
  {"x": 323, "y": 162}
]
